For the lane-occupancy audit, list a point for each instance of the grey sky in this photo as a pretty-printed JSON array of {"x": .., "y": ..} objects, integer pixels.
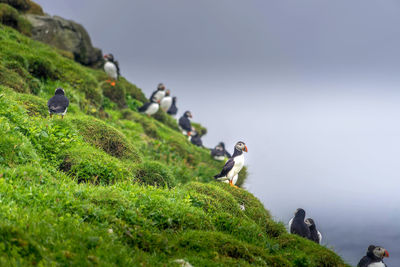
[{"x": 311, "y": 86}]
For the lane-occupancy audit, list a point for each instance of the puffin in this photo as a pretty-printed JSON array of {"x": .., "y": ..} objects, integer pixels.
[
  {"x": 184, "y": 123},
  {"x": 166, "y": 102},
  {"x": 234, "y": 165},
  {"x": 173, "y": 110},
  {"x": 196, "y": 139},
  {"x": 298, "y": 226},
  {"x": 374, "y": 257},
  {"x": 219, "y": 152},
  {"x": 58, "y": 104},
  {"x": 315, "y": 235},
  {"x": 158, "y": 94},
  {"x": 149, "y": 108},
  {"x": 111, "y": 67}
]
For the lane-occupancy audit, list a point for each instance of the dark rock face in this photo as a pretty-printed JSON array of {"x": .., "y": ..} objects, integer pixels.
[{"x": 66, "y": 35}]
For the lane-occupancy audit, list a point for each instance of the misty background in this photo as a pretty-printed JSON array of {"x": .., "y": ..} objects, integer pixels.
[{"x": 311, "y": 86}]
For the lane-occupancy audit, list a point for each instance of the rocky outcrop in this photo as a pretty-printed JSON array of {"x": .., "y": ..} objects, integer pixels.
[{"x": 66, "y": 35}]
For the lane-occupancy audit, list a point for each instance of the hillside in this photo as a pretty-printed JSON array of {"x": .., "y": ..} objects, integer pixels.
[{"x": 107, "y": 186}]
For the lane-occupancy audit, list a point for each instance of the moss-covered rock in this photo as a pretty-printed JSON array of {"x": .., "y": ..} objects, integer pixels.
[
  {"x": 87, "y": 164},
  {"x": 154, "y": 173},
  {"x": 254, "y": 209},
  {"x": 10, "y": 17},
  {"x": 220, "y": 199},
  {"x": 115, "y": 93},
  {"x": 106, "y": 138}
]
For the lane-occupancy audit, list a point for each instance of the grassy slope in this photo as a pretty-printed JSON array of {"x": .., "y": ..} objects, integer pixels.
[{"x": 107, "y": 186}]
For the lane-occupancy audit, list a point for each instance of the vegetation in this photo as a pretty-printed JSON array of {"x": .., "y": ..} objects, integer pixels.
[{"x": 107, "y": 186}]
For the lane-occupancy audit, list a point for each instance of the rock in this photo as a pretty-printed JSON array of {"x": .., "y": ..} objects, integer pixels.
[
  {"x": 66, "y": 35},
  {"x": 25, "y": 6},
  {"x": 22, "y": 5}
]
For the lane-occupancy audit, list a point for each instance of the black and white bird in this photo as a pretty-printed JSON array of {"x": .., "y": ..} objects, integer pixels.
[
  {"x": 315, "y": 235},
  {"x": 58, "y": 104},
  {"x": 149, "y": 108},
  {"x": 111, "y": 67},
  {"x": 166, "y": 102},
  {"x": 234, "y": 165},
  {"x": 298, "y": 226},
  {"x": 158, "y": 94},
  {"x": 185, "y": 124},
  {"x": 219, "y": 152},
  {"x": 196, "y": 139},
  {"x": 173, "y": 110},
  {"x": 374, "y": 257}
]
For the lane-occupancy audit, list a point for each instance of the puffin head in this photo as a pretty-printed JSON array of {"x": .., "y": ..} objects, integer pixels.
[
  {"x": 241, "y": 146},
  {"x": 109, "y": 57},
  {"x": 300, "y": 213},
  {"x": 168, "y": 92},
  {"x": 221, "y": 144},
  {"x": 378, "y": 251},
  {"x": 174, "y": 99},
  {"x": 188, "y": 114},
  {"x": 161, "y": 87},
  {"x": 59, "y": 91},
  {"x": 310, "y": 222}
]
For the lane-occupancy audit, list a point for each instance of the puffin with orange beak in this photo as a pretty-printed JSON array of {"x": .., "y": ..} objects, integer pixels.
[
  {"x": 111, "y": 67},
  {"x": 374, "y": 257},
  {"x": 234, "y": 165}
]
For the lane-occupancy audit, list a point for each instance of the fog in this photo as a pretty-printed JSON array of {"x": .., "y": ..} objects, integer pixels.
[{"x": 311, "y": 87}]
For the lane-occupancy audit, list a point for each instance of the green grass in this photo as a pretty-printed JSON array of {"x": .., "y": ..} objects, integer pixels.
[{"x": 107, "y": 186}]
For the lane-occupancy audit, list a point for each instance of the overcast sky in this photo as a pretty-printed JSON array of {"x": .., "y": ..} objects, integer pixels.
[{"x": 312, "y": 87}]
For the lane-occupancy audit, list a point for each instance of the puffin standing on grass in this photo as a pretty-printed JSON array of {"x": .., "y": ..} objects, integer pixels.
[
  {"x": 158, "y": 94},
  {"x": 374, "y": 257},
  {"x": 149, "y": 108},
  {"x": 315, "y": 235},
  {"x": 234, "y": 165},
  {"x": 111, "y": 67},
  {"x": 298, "y": 226},
  {"x": 58, "y": 104},
  {"x": 173, "y": 110},
  {"x": 185, "y": 125},
  {"x": 166, "y": 102}
]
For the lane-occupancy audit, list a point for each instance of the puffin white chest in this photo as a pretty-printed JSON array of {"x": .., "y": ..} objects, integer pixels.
[
  {"x": 159, "y": 96},
  {"x": 111, "y": 70},
  {"x": 166, "y": 103},
  {"x": 377, "y": 264},
  {"x": 239, "y": 163},
  {"x": 152, "y": 109}
]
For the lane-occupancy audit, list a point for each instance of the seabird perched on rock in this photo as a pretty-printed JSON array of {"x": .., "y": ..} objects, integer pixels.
[
  {"x": 298, "y": 226},
  {"x": 158, "y": 94},
  {"x": 374, "y": 257},
  {"x": 111, "y": 67},
  {"x": 184, "y": 123},
  {"x": 58, "y": 104},
  {"x": 166, "y": 102},
  {"x": 234, "y": 165},
  {"x": 173, "y": 110},
  {"x": 149, "y": 108},
  {"x": 315, "y": 235},
  {"x": 219, "y": 152}
]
